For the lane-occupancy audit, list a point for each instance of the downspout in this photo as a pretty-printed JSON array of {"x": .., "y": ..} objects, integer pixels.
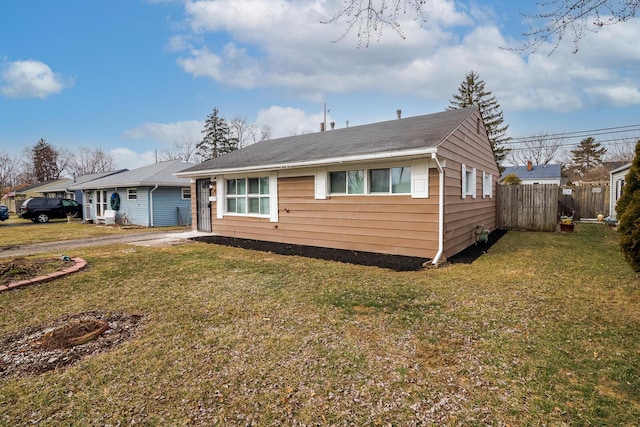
[
  {"x": 440, "y": 210},
  {"x": 151, "y": 204}
]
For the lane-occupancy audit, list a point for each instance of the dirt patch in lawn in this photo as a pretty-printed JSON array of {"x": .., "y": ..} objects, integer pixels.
[
  {"x": 65, "y": 341},
  {"x": 14, "y": 270},
  {"x": 393, "y": 262}
]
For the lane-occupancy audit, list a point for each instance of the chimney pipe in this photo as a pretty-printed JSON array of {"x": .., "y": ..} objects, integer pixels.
[
  {"x": 321, "y": 127},
  {"x": 399, "y": 113},
  {"x": 529, "y": 165}
]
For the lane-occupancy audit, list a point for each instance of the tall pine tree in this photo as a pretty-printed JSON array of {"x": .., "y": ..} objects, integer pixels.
[
  {"x": 586, "y": 156},
  {"x": 217, "y": 138},
  {"x": 41, "y": 163},
  {"x": 628, "y": 212},
  {"x": 472, "y": 92}
]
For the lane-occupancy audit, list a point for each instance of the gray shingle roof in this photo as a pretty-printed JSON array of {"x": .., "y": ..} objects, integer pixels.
[
  {"x": 64, "y": 184},
  {"x": 161, "y": 174},
  {"x": 418, "y": 132},
  {"x": 549, "y": 171}
]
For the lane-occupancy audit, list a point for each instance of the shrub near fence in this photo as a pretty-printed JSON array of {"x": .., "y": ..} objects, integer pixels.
[{"x": 528, "y": 207}]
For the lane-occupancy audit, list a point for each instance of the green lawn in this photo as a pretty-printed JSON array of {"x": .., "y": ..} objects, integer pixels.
[{"x": 542, "y": 330}]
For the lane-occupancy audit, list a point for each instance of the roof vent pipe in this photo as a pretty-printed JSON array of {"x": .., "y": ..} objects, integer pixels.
[
  {"x": 333, "y": 125},
  {"x": 321, "y": 127},
  {"x": 399, "y": 113}
]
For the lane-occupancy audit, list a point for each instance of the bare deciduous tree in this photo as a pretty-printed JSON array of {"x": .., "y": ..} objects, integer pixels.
[
  {"x": 184, "y": 150},
  {"x": 622, "y": 151},
  {"x": 264, "y": 134},
  {"x": 86, "y": 161},
  {"x": 241, "y": 130},
  {"x": 369, "y": 17},
  {"x": 9, "y": 168},
  {"x": 557, "y": 18},
  {"x": 539, "y": 148},
  {"x": 575, "y": 17}
]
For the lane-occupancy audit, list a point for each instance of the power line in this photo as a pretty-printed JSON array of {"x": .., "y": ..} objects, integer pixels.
[{"x": 576, "y": 134}]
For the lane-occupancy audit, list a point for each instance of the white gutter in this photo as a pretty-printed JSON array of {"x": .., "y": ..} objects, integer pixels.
[
  {"x": 440, "y": 210},
  {"x": 151, "y": 204},
  {"x": 419, "y": 152}
]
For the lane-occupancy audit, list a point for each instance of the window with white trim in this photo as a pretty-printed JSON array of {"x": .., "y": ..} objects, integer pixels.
[
  {"x": 390, "y": 180},
  {"x": 186, "y": 193},
  {"x": 395, "y": 180},
  {"x": 132, "y": 194},
  {"x": 487, "y": 184},
  {"x": 347, "y": 182},
  {"x": 248, "y": 196},
  {"x": 468, "y": 182}
]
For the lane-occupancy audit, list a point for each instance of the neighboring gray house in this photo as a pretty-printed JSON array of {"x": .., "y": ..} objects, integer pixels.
[
  {"x": 616, "y": 184},
  {"x": 536, "y": 174},
  {"x": 151, "y": 196},
  {"x": 60, "y": 188}
]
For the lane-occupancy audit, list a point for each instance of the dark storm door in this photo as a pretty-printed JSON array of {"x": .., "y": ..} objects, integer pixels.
[{"x": 203, "y": 204}]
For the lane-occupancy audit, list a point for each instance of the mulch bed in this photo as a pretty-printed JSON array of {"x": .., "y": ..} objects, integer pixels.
[{"x": 393, "y": 262}]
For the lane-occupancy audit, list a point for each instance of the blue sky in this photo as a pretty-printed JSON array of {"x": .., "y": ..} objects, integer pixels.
[{"x": 133, "y": 76}]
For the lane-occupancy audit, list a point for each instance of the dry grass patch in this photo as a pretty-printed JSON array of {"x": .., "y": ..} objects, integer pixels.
[
  {"x": 238, "y": 337},
  {"x": 23, "y": 232}
]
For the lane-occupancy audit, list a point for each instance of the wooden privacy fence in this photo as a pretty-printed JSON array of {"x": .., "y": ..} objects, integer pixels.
[
  {"x": 528, "y": 207},
  {"x": 538, "y": 207},
  {"x": 586, "y": 201}
]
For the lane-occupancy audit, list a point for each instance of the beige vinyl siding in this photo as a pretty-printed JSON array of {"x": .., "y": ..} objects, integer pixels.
[
  {"x": 393, "y": 224},
  {"x": 462, "y": 215}
]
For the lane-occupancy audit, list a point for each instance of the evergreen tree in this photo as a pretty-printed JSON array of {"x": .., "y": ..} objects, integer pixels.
[
  {"x": 587, "y": 156},
  {"x": 217, "y": 138},
  {"x": 628, "y": 212},
  {"x": 41, "y": 162},
  {"x": 472, "y": 92}
]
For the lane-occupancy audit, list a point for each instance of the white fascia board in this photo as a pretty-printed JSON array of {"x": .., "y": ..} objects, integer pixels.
[{"x": 420, "y": 152}]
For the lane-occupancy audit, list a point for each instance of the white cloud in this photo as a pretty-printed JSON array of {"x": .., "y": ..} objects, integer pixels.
[
  {"x": 179, "y": 43},
  {"x": 202, "y": 63},
  {"x": 29, "y": 79},
  {"x": 283, "y": 44},
  {"x": 287, "y": 121},
  {"x": 167, "y": 133},
  {"x": 125, "y": 158},
  {"x": 618, "y": 95}
]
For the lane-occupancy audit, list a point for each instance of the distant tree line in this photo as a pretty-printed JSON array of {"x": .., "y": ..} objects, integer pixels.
[
  {"x": 43, "y": 162},
  {"x": 219, "y": 137}
]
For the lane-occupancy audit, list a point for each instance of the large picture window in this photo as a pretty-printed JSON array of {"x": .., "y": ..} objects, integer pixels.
[
  {"x": 248, "y": 196},
  {"x": 373, "y": 181}
]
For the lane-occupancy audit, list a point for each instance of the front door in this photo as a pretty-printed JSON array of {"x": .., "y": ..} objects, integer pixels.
[
  {"x": 101, "y": 202},
  {"x": 203, "y": 204}
]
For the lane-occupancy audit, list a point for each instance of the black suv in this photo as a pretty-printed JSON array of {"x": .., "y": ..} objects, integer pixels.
[{"x": 41, "y": 209}]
